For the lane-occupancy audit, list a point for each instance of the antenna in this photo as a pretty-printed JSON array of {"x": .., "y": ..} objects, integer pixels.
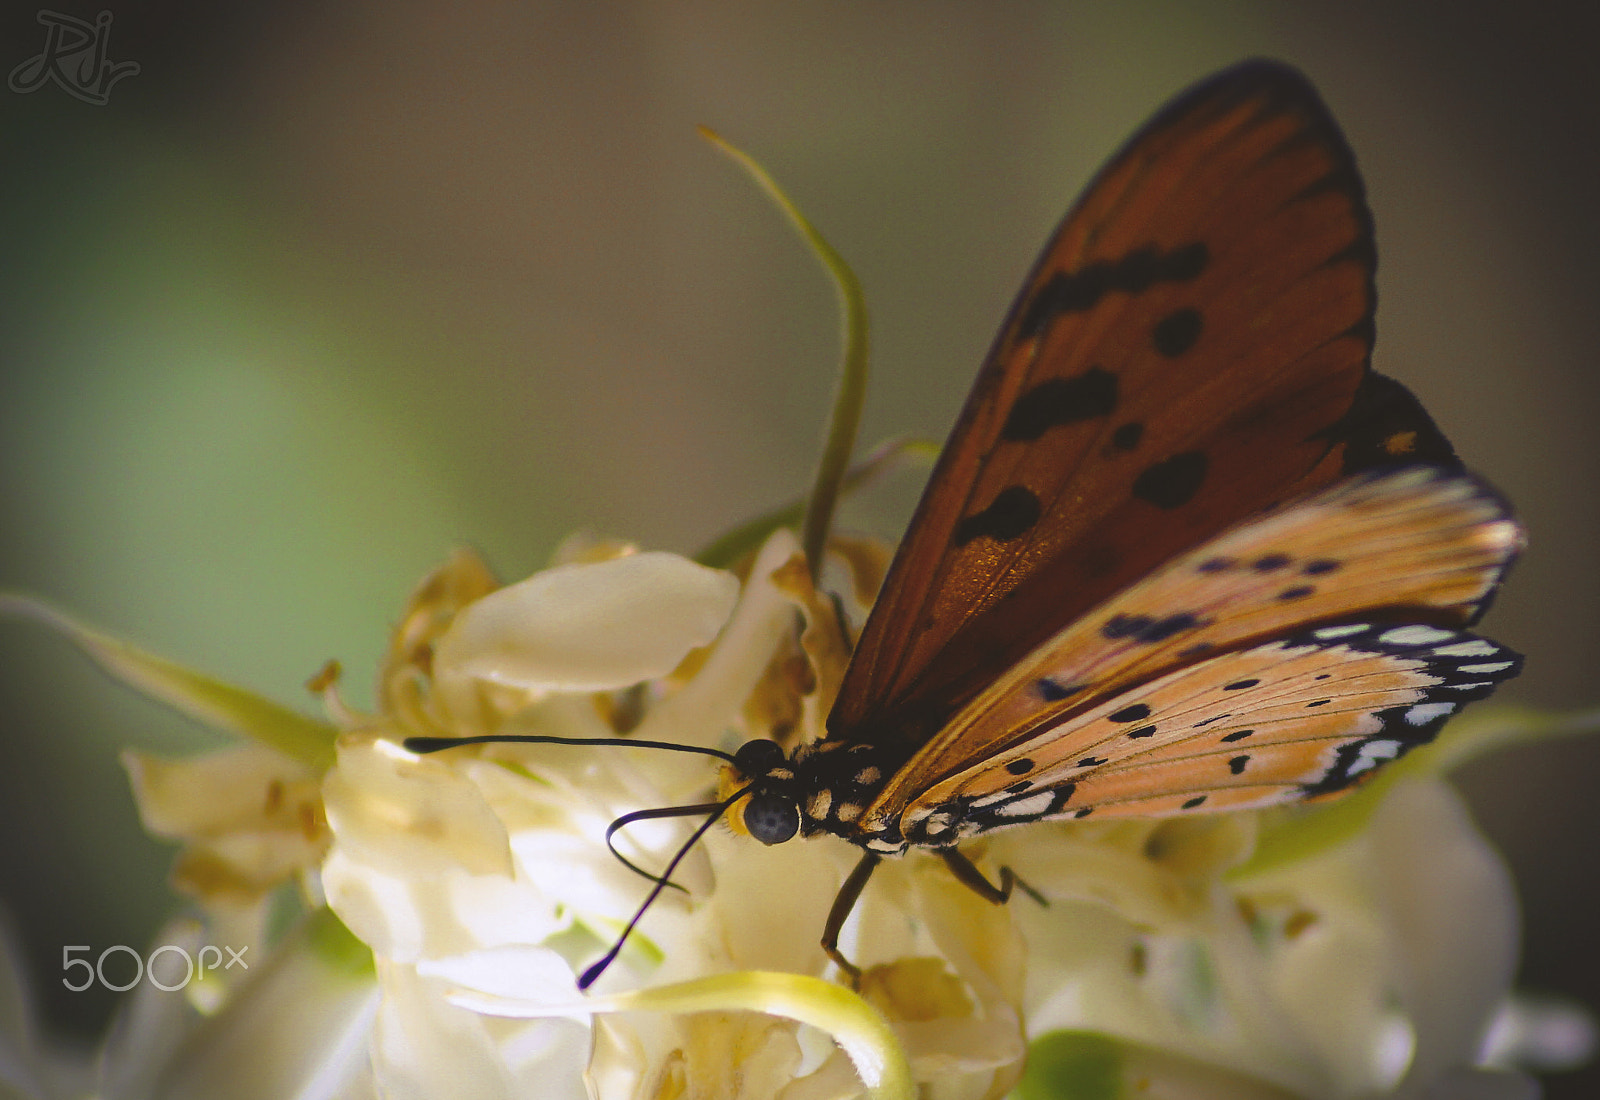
[
  {"x": 647, "y": 815},
  {"x": 423, "y": 745},
  {"x": 589, "y": 976}
]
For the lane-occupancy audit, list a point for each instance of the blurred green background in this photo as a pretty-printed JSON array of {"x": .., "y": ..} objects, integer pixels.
[{"x": 326, "y": 289}]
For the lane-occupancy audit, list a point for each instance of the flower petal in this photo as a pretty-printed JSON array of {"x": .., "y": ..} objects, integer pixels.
[
  {"x": 1431, "y": 866},
  {"x": 297, "y": 1028},
  {"x": 425, "y": 1047},
  {"x": 409, "y": 815},
  {"x": 858, "y": 1028},
  {"x": 242, "y": 787},
  {"x": 535, "y": 974},
  {"x": 584, "y": 627},
  {"x": 702, "y": 709}
]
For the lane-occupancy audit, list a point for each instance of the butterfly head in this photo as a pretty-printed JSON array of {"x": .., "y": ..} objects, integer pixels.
[{"x": 770, "y": 809}]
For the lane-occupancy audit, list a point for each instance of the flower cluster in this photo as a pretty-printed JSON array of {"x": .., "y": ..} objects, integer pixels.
[{"x": 1227, "y": 955}]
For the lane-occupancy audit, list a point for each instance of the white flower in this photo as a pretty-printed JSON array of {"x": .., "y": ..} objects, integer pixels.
[
  {"x": 481, "y": 878},
  {"x": 1312, "y": 954}
]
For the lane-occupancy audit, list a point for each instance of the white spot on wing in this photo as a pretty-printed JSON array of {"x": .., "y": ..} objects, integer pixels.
[
  {"x": 1414, "y": 635},
  {"x": 1030, "y": 806},
  {"x": 1372, "y": 754},
  {"x": 1475, "y": 648},
  {"x": 1423, "y": 713},
  {"x": 1328, "y": 633},
  {"x": 1503, "y": 536},
  {"x": 1493, "y": 666}
]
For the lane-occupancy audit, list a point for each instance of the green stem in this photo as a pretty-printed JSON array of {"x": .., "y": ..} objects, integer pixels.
[
  {"x": 851, "y": 393},
  {"x": 749, "y": 535}
]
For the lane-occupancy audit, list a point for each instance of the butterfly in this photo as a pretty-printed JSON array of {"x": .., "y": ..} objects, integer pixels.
[{"x": 1184, "y": 551}]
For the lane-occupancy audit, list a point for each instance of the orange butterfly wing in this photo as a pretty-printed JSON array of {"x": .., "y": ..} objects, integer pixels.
[
  {"x": 1301, "y": 717},
  {"x": 1419, "y": 545},
  {"x": 1191, "y": 348},
  {"x": 1411, "y": 553}
]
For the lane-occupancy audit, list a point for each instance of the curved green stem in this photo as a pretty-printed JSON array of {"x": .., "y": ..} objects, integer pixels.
[{"x": 851, "y": 393}]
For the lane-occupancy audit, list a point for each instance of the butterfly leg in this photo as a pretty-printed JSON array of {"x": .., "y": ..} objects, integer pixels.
[
  {"x": 969, "y": 876},
  {"x": 845, "y": 901}
]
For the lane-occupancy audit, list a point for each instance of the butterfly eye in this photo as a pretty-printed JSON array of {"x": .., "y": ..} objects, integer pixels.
[
  {"x": 771, "y": 818},
  {"x": 756, "y": 758}
]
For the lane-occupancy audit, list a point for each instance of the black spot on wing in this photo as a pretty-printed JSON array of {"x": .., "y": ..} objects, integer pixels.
[
  {"x": 1091, "y": 761},
  {"x": 1052, "y": 692},
  {"x": 1298, "y": 592},
  {"x": 1237, "y": 735},
  {"x": 1216, "y": 565},
  {"x": 1172, "y": 483},
  {"x": 1270, "y": 563},
  {"x": 1177, "y": 332},
  {"x": 1240, "y": 685},
  {"x": 1020, "y": 767},
  {"x": 1319, "y": 566},
  {"x": 1081, "y": 290},
  {"x": 1012, "y": 513},
  {"x": 1122, "y": 626},
  {"x": 1148, "y": 628},
  {"x": 1143, "y": 731},
  {"x": 1196, "y": 801},
  {"x": 1127, "y": 436},
  {"x": 1061, "y": 401},
  {"x": 1236, "y": 765},
  {"x": 1137, "y": 712}
]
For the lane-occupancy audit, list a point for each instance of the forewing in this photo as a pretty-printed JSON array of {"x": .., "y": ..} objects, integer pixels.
[{"x": 1190, "y": 349}]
